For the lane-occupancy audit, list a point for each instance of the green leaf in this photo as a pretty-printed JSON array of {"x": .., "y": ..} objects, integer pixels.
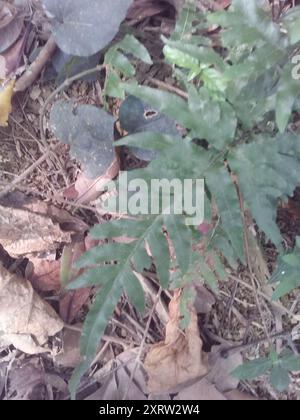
[
  {"x": 113, "y": 85},
  {"x": 131, "y": 45},
  {"x": 207, "y": 273},
  {"x": 141, "y": 260},
  {"x": 134, "y": 291},
  {"x": 123, "y": 227},
  {"x": 94, "y": 277},
  {"x": 181, "y": 237},
  {"x": 292, "y": 260},
  {"x": 287, "y": 92},
  {"x": 291, "y": 22},
  {"x": 216, "y": 122},
  {"x": 84, "y": 27},
  {"x": 102, "y": 253},
  {"x": 273, "y": 175},
  {"x": 279, "y": 378},
  {"x": 222, "y": 188},
  {"x": 253, "y": 369},
  {"x": 89, "y": 131},
  {"x": 151, "y": 141},
  {"x": 120, "y": 62},
  {"x": 136, "y": 116},
  {"x": 291, "y": 363},
  {"x": 94, "y": 327},
  {"x": 160, "y": 251}
]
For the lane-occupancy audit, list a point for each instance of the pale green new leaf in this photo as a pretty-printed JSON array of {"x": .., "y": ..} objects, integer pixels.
[{"x": 131, "y": 45}]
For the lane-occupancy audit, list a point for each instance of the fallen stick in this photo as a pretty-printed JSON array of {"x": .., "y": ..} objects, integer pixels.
[{"x": 35, "y": 68}]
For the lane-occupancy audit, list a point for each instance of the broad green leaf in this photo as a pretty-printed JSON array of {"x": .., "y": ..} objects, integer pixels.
[
  {"x": 131, "y": 45},
  {"x": 279, "y": 378},
  {"x": 181, "y": 237},
  {"x": 89, "y": 131},
  {"x": 84, "y": 27},
  {"x": 253, "y": 369},
  {"x": 66, "y": 65},
  {"x": 135, "y": 116},
  {"x": 224, "y": 191}
]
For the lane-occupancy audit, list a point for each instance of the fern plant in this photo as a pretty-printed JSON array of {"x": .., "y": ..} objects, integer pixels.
[{"x": 239, "y": 98}]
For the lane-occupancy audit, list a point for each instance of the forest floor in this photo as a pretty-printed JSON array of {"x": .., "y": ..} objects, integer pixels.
[{"x": 43, "y": 217}]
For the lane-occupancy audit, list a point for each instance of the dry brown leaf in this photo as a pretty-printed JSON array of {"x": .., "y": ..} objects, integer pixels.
[
  {"x": 46, "y": 275},
  {"x": 178, "y": 359},
  {"x": 6, "y": 93},
  {"x": 23, "y": 232},
  {"x": 23, "y": 313}
]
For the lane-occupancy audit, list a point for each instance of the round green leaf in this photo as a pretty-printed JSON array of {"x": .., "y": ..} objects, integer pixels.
[
  {"x": 89, "y": 132},
  {"x": 84, "y": 27}
]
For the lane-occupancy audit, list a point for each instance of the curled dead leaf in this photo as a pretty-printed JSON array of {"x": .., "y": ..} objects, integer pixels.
[{"x": 178, "y": 359}]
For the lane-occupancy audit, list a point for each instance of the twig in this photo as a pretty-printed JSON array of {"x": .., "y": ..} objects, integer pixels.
[
  {"x": 20, "y": 178},
  {"x": 138, "y": 357},
  {"x": 226, "y": 351},
  {"x": 276, "y": 305},
  {"x": 35, "y": 68},
  {"x": 170, "y": 88}
]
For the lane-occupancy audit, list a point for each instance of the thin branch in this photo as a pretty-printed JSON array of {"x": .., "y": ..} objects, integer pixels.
[
  {"x": 35, "y": 68},
  {"x": 21, "y": 177},
  {"x": 170, "y": 88}
]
